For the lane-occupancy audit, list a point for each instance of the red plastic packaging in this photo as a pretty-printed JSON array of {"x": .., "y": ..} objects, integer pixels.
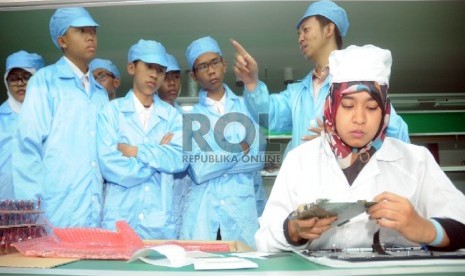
[{"x": 84, "y": 243}]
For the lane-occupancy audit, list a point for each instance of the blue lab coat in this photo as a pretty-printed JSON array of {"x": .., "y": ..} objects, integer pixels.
[
  {"x": 223, "y": 195},
  {"x": 54, "y": 150},
  {"x": 8, "y": 124},
  {"x": 140, "y": 189}
]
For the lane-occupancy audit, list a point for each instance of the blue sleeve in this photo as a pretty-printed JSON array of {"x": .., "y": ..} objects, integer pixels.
[
  {"x": 166, "y": 158},
  {"x": 207, "y": 164},
  {"x": 254, "y": 160},
  {"x": 397, "y": 127},
  {"x": 247, "y": 164},
  {"x": 34, "y": 125},
  {"x": 116, "y": 168},
  {"x": 276, "y": 106}
]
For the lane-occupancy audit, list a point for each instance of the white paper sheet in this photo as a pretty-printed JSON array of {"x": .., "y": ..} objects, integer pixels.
[
  {"x": 170, "y": 255},
  {"x": 256, "y": 255},
  {"x": 175, "y": 256}
]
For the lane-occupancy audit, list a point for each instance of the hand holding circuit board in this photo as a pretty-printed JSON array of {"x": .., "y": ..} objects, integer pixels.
[{"x": 322, "y": 208}]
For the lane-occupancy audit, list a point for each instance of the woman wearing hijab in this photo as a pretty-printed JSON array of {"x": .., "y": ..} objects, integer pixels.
[
  {"x": 20, "y": 66},
  {"x": 354, "y": 160}
]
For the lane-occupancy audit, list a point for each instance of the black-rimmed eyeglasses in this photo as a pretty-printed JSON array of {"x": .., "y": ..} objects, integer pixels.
[
  {"x": 14, "y": 79},
  {"x": 214, "y": 63},
  {"x": 103, "y": 76}
]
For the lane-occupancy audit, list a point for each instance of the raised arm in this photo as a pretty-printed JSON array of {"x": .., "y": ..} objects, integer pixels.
[{"x": 245, "y": 67}]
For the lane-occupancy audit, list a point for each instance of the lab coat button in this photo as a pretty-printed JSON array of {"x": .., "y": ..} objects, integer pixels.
[
  {"x": 222, "y": 202},
  {"x": 147, "y": 188},
  {"x": 141, "y": 216},
  {"x": 92, "y": 133},
  {"x": 93, "y": 164},
  {"x": 313, "y": 123}
]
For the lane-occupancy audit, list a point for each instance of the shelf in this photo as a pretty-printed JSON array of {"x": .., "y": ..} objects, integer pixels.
[
  {"x": 453, "y": 168},
  {"x": 460, "y": 168},
  {"x": 427, "y": 101},
  {"x": 279, "y": 137},
  {"x": 269, "y": 174}
]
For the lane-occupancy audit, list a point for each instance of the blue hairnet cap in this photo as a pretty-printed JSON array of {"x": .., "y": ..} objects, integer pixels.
[
  {"x": 148, "y": 51},
  {"x": 23, "y": 60},
  {"x": 330, "y": 10},
  {"x": 172, "y": 64},
  {"x": 106, "y": 64},
  {"x": 64, "y": 18},
  {"x": 201, "y": 46}
]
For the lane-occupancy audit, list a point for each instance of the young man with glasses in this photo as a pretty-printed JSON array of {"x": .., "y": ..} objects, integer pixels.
[
  {"x": 139, "y": 142},
  {"x": 107, "y": 74},
  {"x": 20, "y": 66},
  {"x": 221, "y": 204}
]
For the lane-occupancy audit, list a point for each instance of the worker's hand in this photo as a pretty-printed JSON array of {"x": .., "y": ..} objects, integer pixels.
[
  {"x": 166, "y": 138},
  {"x": 245, "y": 67},
  {"x": 396, "y": 212},
  {"x": 245, "y": 148},
  {"x": 127, "y": 150},
  {"x": 309, "y": 229},
  {"x": 317, "y": 130}
]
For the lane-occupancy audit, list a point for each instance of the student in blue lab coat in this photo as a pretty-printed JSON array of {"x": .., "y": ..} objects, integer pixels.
[
  {"x": 169, "y": 92},
  {"x": 225, "y": 154},
  {"x": 54, "y": 151},
  {"x": 140, "y": 147},
  {"x": 20, "y": 66},
  {"x": 107, "y": 74},
  {"x": 171, "y": 86},
  {"x": 299, "y": 108}
]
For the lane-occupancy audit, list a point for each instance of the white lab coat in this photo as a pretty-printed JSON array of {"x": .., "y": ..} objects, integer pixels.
[{"x": 310, "y": 172}]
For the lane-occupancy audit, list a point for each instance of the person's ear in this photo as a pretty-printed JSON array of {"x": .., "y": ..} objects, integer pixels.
[
  {"x": 330, "y": 30},
  {"x": 62, "y": 42},
  {"x": 116, "y": 83},
  {"x": 131, "y": 68},
  {"x": 193, "y": 76},
  {"x": 225, "y": 65}
]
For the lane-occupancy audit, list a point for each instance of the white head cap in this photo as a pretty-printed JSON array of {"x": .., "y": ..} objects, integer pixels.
[{"x": 360, "y": 63}]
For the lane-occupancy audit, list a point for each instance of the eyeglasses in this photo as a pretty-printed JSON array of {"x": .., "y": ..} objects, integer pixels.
[
  {"x": 214, "y": 63},
  {"x": 14, "y": 79},
  {"x": 103, "y": 76}
]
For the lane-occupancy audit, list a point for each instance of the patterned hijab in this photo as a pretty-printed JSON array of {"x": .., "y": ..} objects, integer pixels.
[{"x": 352, "y": 160}]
